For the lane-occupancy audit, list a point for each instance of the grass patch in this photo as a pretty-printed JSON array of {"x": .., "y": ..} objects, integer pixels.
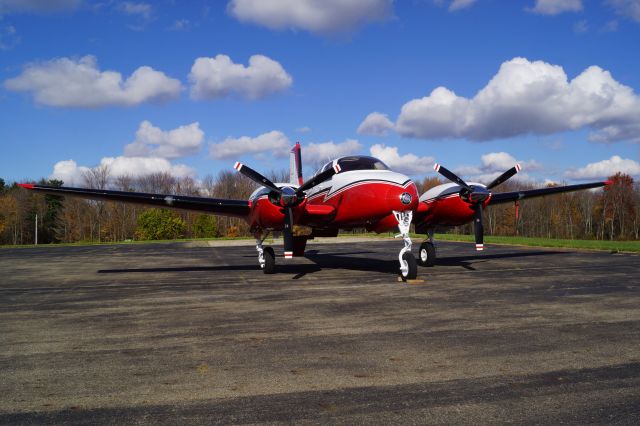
[{"x": 629, "y": 246}]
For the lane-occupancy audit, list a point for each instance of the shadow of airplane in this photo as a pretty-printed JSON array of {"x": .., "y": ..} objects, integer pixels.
[{"x": 336, "y": 260}]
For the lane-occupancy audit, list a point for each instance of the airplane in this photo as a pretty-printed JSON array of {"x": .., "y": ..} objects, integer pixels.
[{"x": 346, "y": 193}]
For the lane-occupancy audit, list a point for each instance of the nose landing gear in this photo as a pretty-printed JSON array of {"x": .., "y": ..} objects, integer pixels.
[{"x": 408, "y": 265}]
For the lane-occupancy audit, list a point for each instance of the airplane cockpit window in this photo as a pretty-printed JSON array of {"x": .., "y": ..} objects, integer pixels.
[{"x": 361, "y": 163}]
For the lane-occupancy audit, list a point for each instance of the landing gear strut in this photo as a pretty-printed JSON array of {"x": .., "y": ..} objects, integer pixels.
[
  {"x": 408, "y": 266},
  {"x": 427, "y": 253},
  {"x": 266, "y": 256}
]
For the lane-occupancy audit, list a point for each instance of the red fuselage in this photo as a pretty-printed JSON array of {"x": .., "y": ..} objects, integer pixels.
[{"x": 352, "y": 199}]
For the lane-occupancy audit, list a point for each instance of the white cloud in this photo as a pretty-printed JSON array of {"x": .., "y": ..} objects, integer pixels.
[
  {"x": 143, "y": 10},
  {"x": 605, "y": 168},
  {"x": 555, "y": 7},
  {"x": 317, "y": 16},
  {"x": 628, "y": 8},
  {"x": 78, "y": 83},
  {"x": 37, "y": 6},
  {"x": 320, "y": 152},
  {"x": 218, "y": 77},
  {"x": 152, "y": 141},
  {"x": 180, "y": 25},
  {"x": 305, "y": 129},
  {"x": 409, "y": 164},
  {"x": 274, "y": 141},
  {"x": 375, "y": 124},
  {"x": 527, "y": 97},
  {"x": 73, "y": 175},
  {"x": 460, "y": 4},
  {"x": 493, "y": 165}
]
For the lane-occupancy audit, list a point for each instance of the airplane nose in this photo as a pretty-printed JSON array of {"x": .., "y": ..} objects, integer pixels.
[{"x": 403, "y": 198}]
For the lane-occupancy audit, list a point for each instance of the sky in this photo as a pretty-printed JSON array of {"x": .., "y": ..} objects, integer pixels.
[{"x": 192, "y": 87}]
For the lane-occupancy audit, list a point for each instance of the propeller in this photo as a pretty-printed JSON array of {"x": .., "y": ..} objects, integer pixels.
[
  {"x": 287, "y": 197},
  {"x": 476, "y": 195}
]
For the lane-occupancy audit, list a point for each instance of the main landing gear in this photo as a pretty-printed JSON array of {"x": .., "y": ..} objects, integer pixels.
[
  {"x": 427, "y": 253},
  {"x": 408, "y": 265},
  {"x": 267, "y": 257}
]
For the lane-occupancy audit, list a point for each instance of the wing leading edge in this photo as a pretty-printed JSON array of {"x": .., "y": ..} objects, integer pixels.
[
  {"x": 235, "y": 208},
  {"x": 505, "y": 197}
]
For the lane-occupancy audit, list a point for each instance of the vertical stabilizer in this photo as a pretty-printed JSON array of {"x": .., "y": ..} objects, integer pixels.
[{"x": 295, "y": 174}]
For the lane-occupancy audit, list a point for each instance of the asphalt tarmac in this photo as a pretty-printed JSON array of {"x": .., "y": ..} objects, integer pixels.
[{"x": 171, "y": 334}]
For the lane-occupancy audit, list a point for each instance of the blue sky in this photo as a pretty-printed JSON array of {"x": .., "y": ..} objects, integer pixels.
[{"x": 192, "y": 87}]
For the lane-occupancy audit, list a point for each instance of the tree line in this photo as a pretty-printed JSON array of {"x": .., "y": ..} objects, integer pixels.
[{"x": 606, "y": 214}]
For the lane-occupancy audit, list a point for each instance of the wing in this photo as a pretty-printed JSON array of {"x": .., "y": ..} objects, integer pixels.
[
  {"x": 235, "y": 208},
  {"x": 505, "y": 197}
]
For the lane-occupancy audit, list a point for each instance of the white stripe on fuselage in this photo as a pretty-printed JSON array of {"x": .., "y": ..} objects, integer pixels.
[{"x": 350, "y": 179}]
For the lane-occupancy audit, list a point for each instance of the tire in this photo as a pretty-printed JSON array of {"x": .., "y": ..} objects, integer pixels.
[
  {"x": 427, "y": 254},
  {"x": 269, "y": 261},
  {"x": 412, "y": 273}
]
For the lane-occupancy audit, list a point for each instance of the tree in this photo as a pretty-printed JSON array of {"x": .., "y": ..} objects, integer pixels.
[
  {"x": 159, "y": 224},
  {"x": 205, "y": 226}
]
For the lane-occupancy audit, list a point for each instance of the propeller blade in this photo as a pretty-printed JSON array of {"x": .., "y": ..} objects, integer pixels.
[
  {"x": 287, "y": 233},
  {"x": 451, "y": 176},
  {"x": 503, "y": 177},
  {"x": 478, "y": 228},
  {"x": 255, "y": 176},
  {"x": 319, "y": 178}
]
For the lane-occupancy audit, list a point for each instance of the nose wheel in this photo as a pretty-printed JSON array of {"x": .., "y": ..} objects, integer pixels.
[{"x": 408, "y": 264}]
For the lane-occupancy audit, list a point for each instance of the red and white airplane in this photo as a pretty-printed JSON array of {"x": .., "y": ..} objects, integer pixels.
[{"x": 346, "y": 193}]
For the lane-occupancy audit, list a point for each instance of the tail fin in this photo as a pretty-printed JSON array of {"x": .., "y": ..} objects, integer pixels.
[{"x": 295, "y": 174}]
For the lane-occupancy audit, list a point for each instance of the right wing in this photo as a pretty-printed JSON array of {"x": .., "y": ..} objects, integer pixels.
[
  {"x": 235, "y": 208},
  {"x": 505, "y": 197}
]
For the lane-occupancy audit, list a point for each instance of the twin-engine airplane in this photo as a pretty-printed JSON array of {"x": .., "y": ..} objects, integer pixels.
[{"x": 346, "y": 193}]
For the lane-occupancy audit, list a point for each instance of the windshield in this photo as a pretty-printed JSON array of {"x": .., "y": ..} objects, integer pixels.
[{"x": 361, "y": 163}]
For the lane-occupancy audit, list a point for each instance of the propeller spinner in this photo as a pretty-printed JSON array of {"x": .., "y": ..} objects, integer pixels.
[{"x": 476, "y": 196}]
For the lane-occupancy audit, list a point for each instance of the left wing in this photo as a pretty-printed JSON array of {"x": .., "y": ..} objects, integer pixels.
[
  {"x": 235, "y": 208},
  {"x": 505, "y": 197}
]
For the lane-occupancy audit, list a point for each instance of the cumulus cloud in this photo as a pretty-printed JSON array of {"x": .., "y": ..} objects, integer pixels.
[
  {"x": 628, "y": 8},
  {"x": 409, "y": 164},
  {"x": 78, "y": 83},
  {"x": 605, "y": 168},
  {"x": 376, "y": 124},
  {"x": 152, "y": 141},
  {"x": 274, "y": 141},
  {"x": 494, "y": 164},
  {"x": 316, "y": 16},
  {"x": 73, "y": 175},
  {"x": 555, "y": 7},
  {"x": 527, "y": 97},
  {"x": 321, "y": 152},
  {"x": 213, "y": 78},
  {"x": 37, "y": 6}
]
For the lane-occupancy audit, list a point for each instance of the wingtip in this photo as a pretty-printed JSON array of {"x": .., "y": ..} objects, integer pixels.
[
  {"x": 26, "y": 185},
  {"x": 518, "y": 168}
]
